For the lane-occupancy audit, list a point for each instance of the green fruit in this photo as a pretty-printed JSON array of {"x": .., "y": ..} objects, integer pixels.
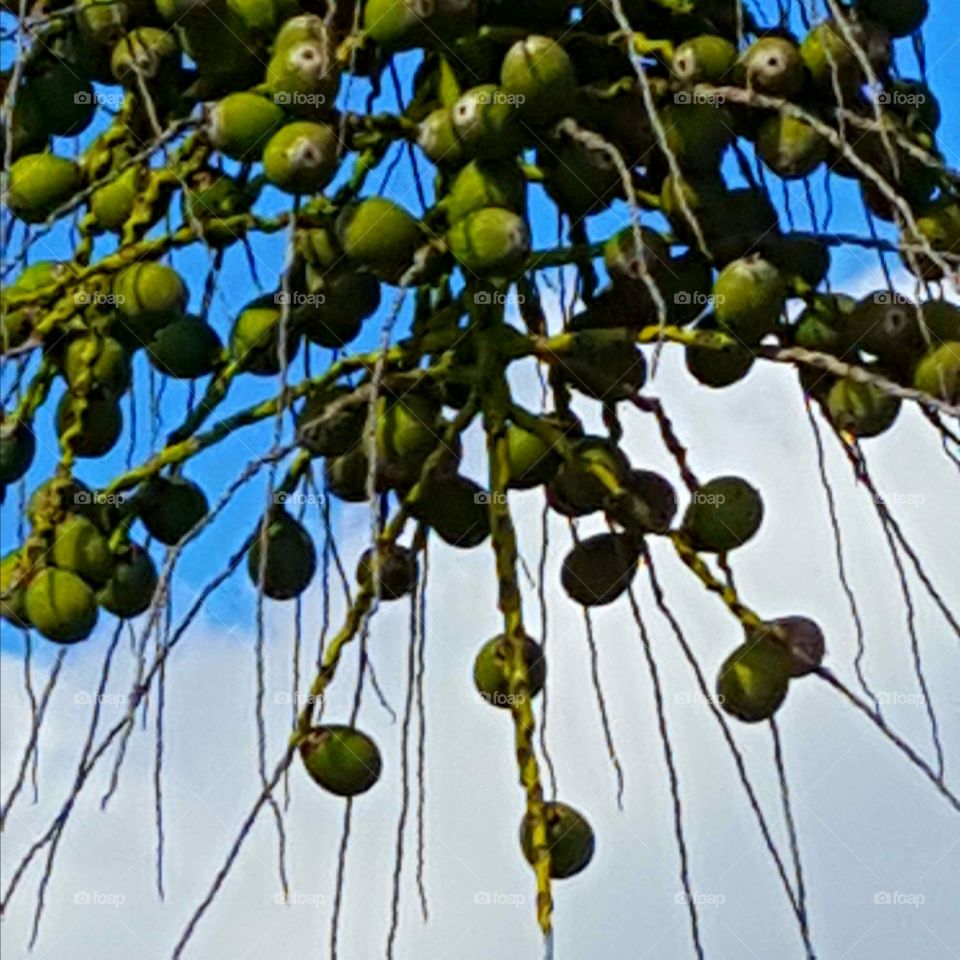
[
  {"x": 129, "y": 591},
  {"x": 171, "y": 507},
  {"x": 113, "y": 203},
  {"x": 59, "y": 496},
  {"x": 185, "y": 349},
  {"x": 790, "y": 147},
  {"x": 648, "y": 505},
  {"x": 599, "y": 569},
  {"x": 210, "y": 198},
  {"x": 493, "y": 666},
  {"x": 578, "y": 488},
  {"x": 754, "y": 679},
  {"x": 347, "y": 474},
  {"x": 697, "y": 134},
  {"x": 39, "y": 183},
  {"x": 801, "y": 259},
  {"x": 99, "y": 361},
  {"x": 297, "y": 29},
  {"x": 17, "y": 448},
  {"x": 914, "y": 103},
  {"x": 704, "y": 59},
  {"x": 487, "y": 122},
  {"x": 263, "y": 16},
  {"x": 397, "y": 572},
  {"x": 886, "y": 325},
  {"x": 303, "y": 77},
  {"x": 570, "y": 840},
  {"x": 333, "y": 316},
  {"x": 938, "y": 373},
  {"x": 627, "y": 261},
  {"x": 105, "y": 21},
  {"x": 540, "y": 71},
  {"x": 686, "y": 288},
  {"x": 341, "y": 759},
  {"x": 457, "y": 509},
  {"x": 490, "y": 242},
  {"x": 330, "y": 434},
  {"x": 830, "y": 59},
  {"x": 79, "y": 546},
  {"x": 942, "y": 320},
  {"x": 900, "y": 17},
  {"x": 381, "y": 235},
  {"x": 301, "y": 157},
  {"x": 749, "y": 297},
  {"x": 240, "y": 124},
  {"x": 803, "y": 639},
  {"x": 13, "y": 589},
  {"x": 256, "y": 335},
  {"x": 101, "y": 422},
  {"x": 64, "y": 99},
  {"x": 290, "y": 560},
  {"x": 438, "y": 139},
  {"x": 826, "y": 325},
  {"x": 581, "y": 180},
  {"x": 144, "y": 54},
  {"x": 394, "y": 24},
  {"x": 148, "y": 295},
  {"x": 861, "y": 408},
  {"x": 939, "y": 225},
  {"x": 603, "y": 368},
  {"x": 531, "y": 462},
  {"x": 773, "y": 65},
  {"x": 485, "y": 183},
  {"x": 407, "y": 431},
  {"x": 61, "y": 606},
  {"x": 723, "y": 515}
]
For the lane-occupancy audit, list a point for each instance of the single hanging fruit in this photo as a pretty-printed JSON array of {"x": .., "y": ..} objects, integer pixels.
[
  {"x": 290, "y": 559},
  {"x": 493, "y": 666},
  {"x": 599, "y": 569},
  {"x": 341, "y": 759},
  {"x": 723, "y": 515},
  {"x": 754, "y": 679}
]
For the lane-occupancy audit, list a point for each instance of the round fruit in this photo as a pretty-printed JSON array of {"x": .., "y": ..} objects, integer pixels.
[
  {"x": 938, "y": 373},
  {"x": 599, "y": 569},
  {"x": 485, "y": 183},
  {"x": 492, "y": 241},
  {"x": 605, "y": 369},
  {"x": 886, "y": 325},
  {"x": 861, "y": 408},
  {"x": 721, "y": 367},
  {"x": 39, "y": 183},
  {"x": 627, "y": 261},
  {"x": 185, "y": 349},
  {"x": 773, "y": 65},
  {"x": 61, "y": 606},
  {"x": 334, "y": 315},
  {"x": 142, "y": 54},
  {"x": 112, "y": 204},
  {"x": 101, "y": 422},
  {"x": 900, "y": 17},
  {"x": 531, "y": 462},
  {"x": 942, "y": 320},
  {"x": 380, "y": 235},
  {"x": 17, "y": 448},
  {"x": 723, "y": 514},
  {"x": 171, "y": 507},
  {"x": 290, "y": 559},
  {"x": 13, "y": 589},
  {"x": 704, "y": 59},
  {"x": 327, "y": 434},
  {"x": 240, "y": 124},
  {"x": 570, "y": 840},
  {"x": 754, "y": 679},
  {"x": 749, "y": 297},
  {"x": 301, "y": 157},
  {"x": 63, "y": 99},
  {"x": 438, "y": 138},
  {"x": 148, "y": 295},
  {"x": 347, "y": 474},
  {"x": 129, "y": 591},
  {"x": 493, "y": 666},
  {"x": 697, "y": 134},
  {"x": 804, "y": 640},
  {"x": 830, "y": 59},
  {"x": 256, "y": 335},
  {"x": 581, "y": 180},
  {"x": 576, "y": 489},
  {"x": 648, "y": 505},
  {"x": 341, "y": 759},
  {"x": 801, "y": 259},
  {"x": 397, "y": 572},
  {"x": 487, "y": 123},
  {"x": 790, "y": 147},
  {"x": 538, "y": 70},
  {"x": 102, "y": 362},
  {"x": 393, "y": 24},
  {"x": 457, "y": 509},
  {"x": 80, "y": 547}
]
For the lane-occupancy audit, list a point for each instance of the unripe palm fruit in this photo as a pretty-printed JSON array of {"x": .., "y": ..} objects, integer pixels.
[
  {"x": 570, "y": 840},
  {"x": 723, "y": 515},
  {"x": 303, "y": 77},
  {"x": 697, "y": 134},
  {"x": 457, "y": 509},
  {"x": 531, "y": 462},
  {"x": 262, "y": 16},
  {"x": 379, "y": 234},
  {"x": 256, "y": 336},
  {"x": 17, "y": 448},
  {"x": 290, "y": 559},
  {"x": 938, "y": 225},
  {"x": 687, "y": 287},
  {"x": 886, "y": 325},
  {"x": 627, "y": 260},
  {"x": 900, "y": 17},
  {"x": 938, "y": 373},
  {"x": 773, "y": 65},
  {"x": 80, "y": 547},
  {"x": 826, "y": 325},
  {"x": 485, "y": 183},
  {"x": 397, "y": 572},
  {"x": 100, "y": 361},
  {"x": 914, "y": 103},
  {"x": 749, "y": 297},
  {"x": 144, "y": 53},
  {"x": 57, "y": 497},
  {"x": 648, "y": 504},
  {"x": 581, "y": 180},
  {"x": 438, "y": 139},
  {"x": 301, "y": 157},
  {"x": 149, "y": 294},
  {"x": 347, "y": 474},
  {"x": 171, "y": 507},
  {"x": 790, "y": 147},
  {"x": 804, "y": 640},
  {"x": 494, "y": 665},
  {"x": 299, "y": 28},
  {"x": 801, "y": 259},
  {"x": 129, "y": 591},
  {"x": 101, "y": 422},
  {"x": 61, "y": 606},
  {"x": 63, "y": 97},
  {"x": 704, "y": 59},
  {"x": 538, "y": 69},
  {"x": 334, "y": 316},
  {"x": 599, "y": 569},
  {"x": 395, "y": 24},
  {"x": 754, "y": 679},
  {"x": 487, "y": 122},
  {"x": 240, "y": 124},
  {"x": 606, "y": 369},
  {"x": 942, "y": 319},
  {"x": 861, "y": 408},
  {"x": 39, "y": 183},
  {"x": 492, "y": 241},
  {"x": 407, "y": 429},
  {"x": 13, "y": 589},
  {"x": 326, "y": 432},
  {"x": 104, "y": 21},
  {"x": 830, "y": 59},
  {"x": 721, "y": 367},
  {"x": 578, "y": 487},
  {"x": 112, "y": 204},
  {"x": 185, "y": 349},
  {"x": 341, "y": 759}
]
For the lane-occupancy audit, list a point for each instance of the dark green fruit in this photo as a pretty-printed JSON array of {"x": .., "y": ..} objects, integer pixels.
[
  {"x": 697, "y": 134},
  {"x": 148, "y": 296},
  {"x": 397, "y": 572},
  {"x": 381, "y": 235},
  {"x": 826, "y": 325},
  {"x": 861, "y": 408},
  {"x": 487, "y": 122},
  {"x": 803, "y": 639},
  {"x": 492, "y": 241},
  {"x": 938, "y": 373},
  {"x": 754, "y": 679},
  {"x": 723, "y": 514},
  {"x": 648, "y": 505},
  {"x": 39, "y": 183},
  {"x": 749, "y": 297},
  {"x": 185, "y": 349},
  {"x": 627, "y": 260},
  {"x": 540, "y": 71},
  {"x": 290, "y": 559},
  {"x": 61, "y": 606},
  {"x": 129, "y": 591},
  {"x": 493, "y": 666},
  {"x": 62, "y": 98},
  {"x": 914, "y": 103},
  {"x": 59, "y": 496},
  {"x": 886, "y": 325},
  {"x": 704, "y": 59},
  {"x": 13, "y": 589},
  {"x": 17, "y": 448},
  {"x": 407, "y": 432},
  {"x": 578, "y": 487},
  {"x": 900, "y": 17},
  {"x": 341, "y": 759},
  {"x": 603, "y": 368},
  {"x": 79, "y": 546},
  {"x": 531, "y": 462},
  {"x": 347, "y": 474},
  {"x": 330, "y": 434},
  {"x": 720, "y": 367},
  {"x": 830, "y": 59},
  {"x": 333, "y": 315},
  {"x": 485, "y": 183},
  {"x": 801, "y": 259},
  {"x": 570, "y": 840},
  {"x": 100, "y": 422},
  {"x": 171, "y": 507},
  {"x": 97, "y": 361},
  {"x": 144, "y": 54},
  {"x": 581, "y": 180},
  {"x": 301, "y": 157},
  {"x": 599, "y": 569},
  {"x": 457, "y": 509},
  {"x": 790, "y": 147},
  {"x": 942, "y": 320},
  {"x": 773, "y": 65},
  {"x": 256, "y": 337}
]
